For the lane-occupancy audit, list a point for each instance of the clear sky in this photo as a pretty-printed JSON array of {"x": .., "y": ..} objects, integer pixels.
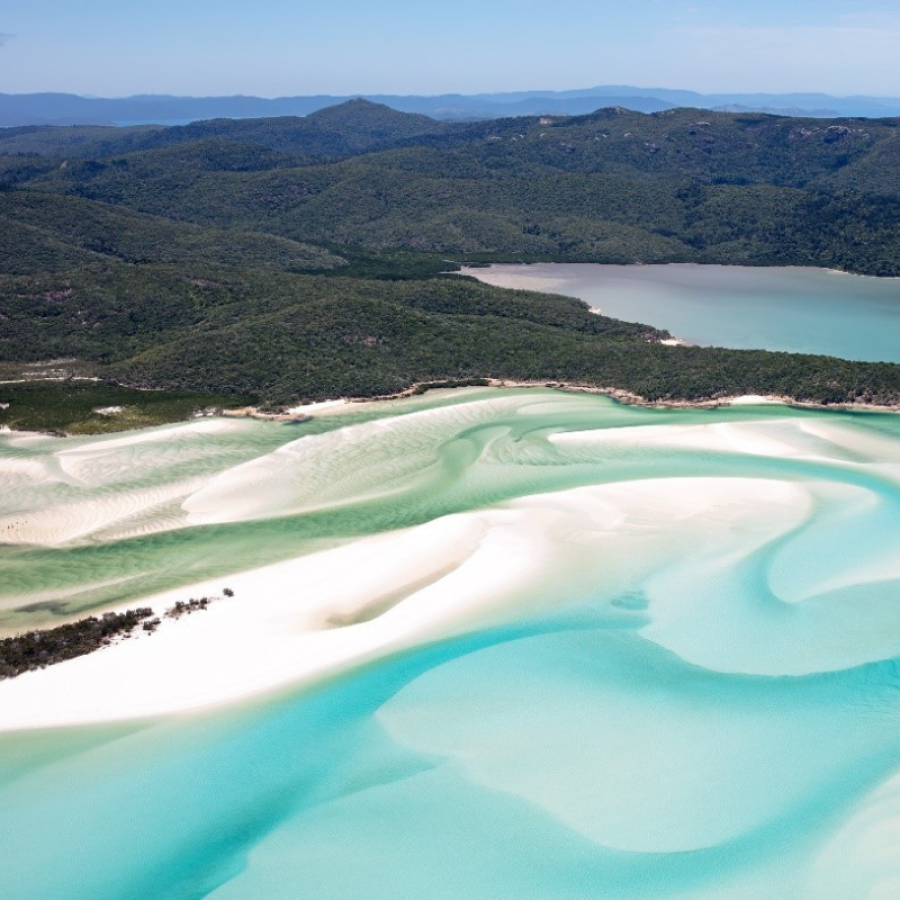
[{"x": 274, "y": 48}]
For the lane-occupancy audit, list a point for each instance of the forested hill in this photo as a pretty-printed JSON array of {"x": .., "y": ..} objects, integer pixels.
[
  {"x": 613, "y": 186},
  {"x": 298, "y": 257}
]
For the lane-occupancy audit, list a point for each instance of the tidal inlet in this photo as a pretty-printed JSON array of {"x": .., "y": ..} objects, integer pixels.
[{"x": 479, "y": 644}]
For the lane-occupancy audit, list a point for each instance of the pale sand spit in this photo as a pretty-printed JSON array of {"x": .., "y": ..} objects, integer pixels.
[
  {"x": 314, "y": 616},
  {"x": 320, "y": 407}
]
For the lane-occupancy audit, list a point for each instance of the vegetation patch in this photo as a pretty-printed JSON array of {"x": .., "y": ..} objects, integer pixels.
[
  {"x": 88, "y": 407},
  {"x": 45, "y": 647},
  {"x": 38, "y": 649},
  {"x": 186, "y": 607},
  {"x": 271, "y": 261}
]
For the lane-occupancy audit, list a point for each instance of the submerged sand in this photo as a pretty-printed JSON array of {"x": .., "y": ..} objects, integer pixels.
[{"x": 318, "y": 614}]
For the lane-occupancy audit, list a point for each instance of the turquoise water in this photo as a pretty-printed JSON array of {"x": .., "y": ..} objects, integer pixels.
[
  {"x": 698, "y": 696},
  {"x": 794, "y": 309}
]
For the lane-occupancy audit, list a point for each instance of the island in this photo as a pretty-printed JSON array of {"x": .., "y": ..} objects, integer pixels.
[{"x": 169, "y": 272}]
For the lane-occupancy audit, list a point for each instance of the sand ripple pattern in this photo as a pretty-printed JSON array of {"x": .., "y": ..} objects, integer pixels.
[{"x": 594, "y": 652}]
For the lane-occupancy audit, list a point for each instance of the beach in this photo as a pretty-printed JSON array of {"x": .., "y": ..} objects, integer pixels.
[
  {"x": 318, "y": 615},
  {"x": 548, "y": 638},
  {"x": 315, "y": 615}
]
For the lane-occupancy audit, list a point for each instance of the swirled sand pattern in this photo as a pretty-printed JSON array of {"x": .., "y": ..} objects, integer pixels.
[{"x": 491, "y": 644}]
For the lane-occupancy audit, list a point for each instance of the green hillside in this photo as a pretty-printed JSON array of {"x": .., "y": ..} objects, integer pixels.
[
  {"x": 43, "y": 233},
  {"x": 287, "y": 259},
  {"x": 614, "y": 186}
]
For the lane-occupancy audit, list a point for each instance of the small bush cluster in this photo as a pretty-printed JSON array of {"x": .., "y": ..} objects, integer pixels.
[{"x": 185, "y": 608}]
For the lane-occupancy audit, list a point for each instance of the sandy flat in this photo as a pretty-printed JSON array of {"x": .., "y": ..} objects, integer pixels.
[
  {"x": 308, "y": 617},
  {"x": 754, "y": 399},
  {"x": 287, "y": 622},
  {"x": 756, "y": 438},
  {"x": 298, "y": 620},
  {"x": 320, "y": 407}
]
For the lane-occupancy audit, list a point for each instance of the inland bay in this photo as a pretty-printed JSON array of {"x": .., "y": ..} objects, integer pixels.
[{"x": 794, "y": 309}]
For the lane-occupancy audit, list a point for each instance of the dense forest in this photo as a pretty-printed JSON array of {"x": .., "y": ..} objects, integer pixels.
[{"x": 302, "y": 258}]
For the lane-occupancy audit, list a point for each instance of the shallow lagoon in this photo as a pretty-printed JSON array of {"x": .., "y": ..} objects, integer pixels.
[
  {"x": 794, "y": 309},
  {"x": 696, "y": 694}
]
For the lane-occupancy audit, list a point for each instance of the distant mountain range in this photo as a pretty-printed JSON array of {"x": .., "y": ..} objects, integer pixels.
[{"x": 71, "y": 109}]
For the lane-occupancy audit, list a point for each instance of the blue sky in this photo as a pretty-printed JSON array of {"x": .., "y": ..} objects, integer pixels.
[{"x": 277, "y": 48}]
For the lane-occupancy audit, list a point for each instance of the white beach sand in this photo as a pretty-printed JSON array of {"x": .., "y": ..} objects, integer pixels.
[
  {"x": 305, "y": 618},
  {"x": 286, "y": 622},
  {"x": 322, "y": 406},
  {"x": 298, "y": 620},
  {"x": 753, "y": 399}
]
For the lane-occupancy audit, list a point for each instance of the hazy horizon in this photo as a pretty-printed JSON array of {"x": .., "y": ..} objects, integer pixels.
[
  {"x": 644, "y": 89},
  {"x": 281, "y": 49}
]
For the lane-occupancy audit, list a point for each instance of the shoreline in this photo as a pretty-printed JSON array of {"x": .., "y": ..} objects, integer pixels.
[
  {"x": 631, "y": 399},
  {"x": 466, "y": 269},
  {"x": 295, "y": 415}
]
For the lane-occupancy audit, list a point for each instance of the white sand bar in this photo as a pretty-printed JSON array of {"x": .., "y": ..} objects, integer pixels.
[
  {"x": 313, "y": 616},
  {"x": 299, "y": 620},
  {"x": 288, "y": 622}
]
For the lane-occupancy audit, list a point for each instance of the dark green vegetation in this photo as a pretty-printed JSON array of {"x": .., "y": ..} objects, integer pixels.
[
  {"x": 71, "y": 406},
  {"x": 38, "y": 649},
  {"x": 613, "y": 186},
  {"x": 289, "y": 259}
]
